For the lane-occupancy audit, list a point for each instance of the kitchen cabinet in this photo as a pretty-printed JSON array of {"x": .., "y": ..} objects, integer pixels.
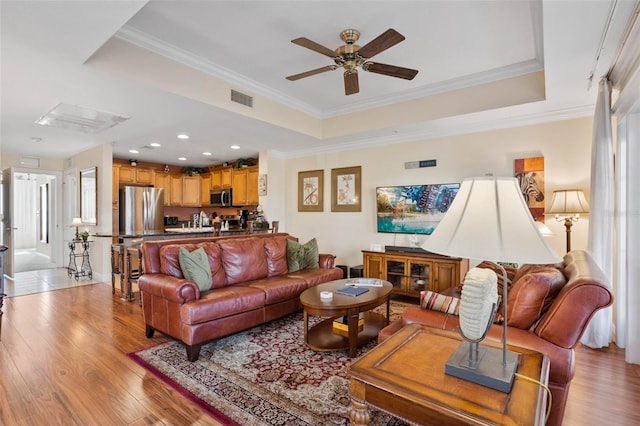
[
  {"x": 205, "y": 190},
  {"x": 221, "y": 178},
  {"x": 191, "y": 191},
  {"x": 252, "y": 185},
  {"x": 163, "y": 180},
  {"x": 137, "y": 175},
  {"x": 176, "y": 190},
  {"x": 411, "y": 272},
  {"x": 245, "y": 186}
]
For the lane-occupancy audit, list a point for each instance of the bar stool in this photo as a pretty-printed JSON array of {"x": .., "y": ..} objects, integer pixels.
[
  {"x": 217, "y": 227},
  {"x": 274, "y": 226},
  {"x": 117, "y": 266},
  {"x": 134, "y": 267}
]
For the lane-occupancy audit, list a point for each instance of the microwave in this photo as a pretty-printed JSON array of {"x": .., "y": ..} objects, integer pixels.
[{"x": 221, "y": 197}]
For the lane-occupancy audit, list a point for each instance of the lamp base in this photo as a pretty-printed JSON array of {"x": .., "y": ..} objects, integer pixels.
[{"x": 484, "y": 368}]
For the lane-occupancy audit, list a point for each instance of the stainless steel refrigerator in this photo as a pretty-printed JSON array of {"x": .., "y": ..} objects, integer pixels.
[{"x": 141, "y": 210}]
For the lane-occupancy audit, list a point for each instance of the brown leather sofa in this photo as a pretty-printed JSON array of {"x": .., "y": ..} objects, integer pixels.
[
  {"x": 550, "y": 313},
  {"x": 251, "y": 285}
]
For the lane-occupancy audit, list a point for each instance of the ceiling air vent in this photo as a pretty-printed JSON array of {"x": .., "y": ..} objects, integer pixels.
[
  {"x": 74, "y": 117},
  {"x": 241, "y": 98}
]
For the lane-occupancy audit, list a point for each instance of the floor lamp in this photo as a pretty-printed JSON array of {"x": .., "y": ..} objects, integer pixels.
[
  {"x": 489, "y": 220},
  {"x": 568, "y": 205}
]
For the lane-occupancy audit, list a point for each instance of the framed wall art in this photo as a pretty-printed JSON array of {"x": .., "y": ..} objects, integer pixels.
[
  {"x": 346, "y": 186},
  {"x": 530, "y": 175},
  {"x": 310, "y": 190},
  {"x": 262, "y": 184}
]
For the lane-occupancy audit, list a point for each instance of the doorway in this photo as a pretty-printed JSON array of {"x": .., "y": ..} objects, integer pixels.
[{"x": 31, "y": 220}]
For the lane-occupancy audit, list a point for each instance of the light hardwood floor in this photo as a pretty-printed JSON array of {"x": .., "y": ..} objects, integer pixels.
[{"x": 63, "y": 362}]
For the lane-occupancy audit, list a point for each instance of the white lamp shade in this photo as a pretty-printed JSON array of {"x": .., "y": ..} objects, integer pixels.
[
  {"x": 568, "y": 201},
  {"x": 76, "y": 222},
  {"x": 544, "y": 229},
  {"x": 489, "y": 220}
]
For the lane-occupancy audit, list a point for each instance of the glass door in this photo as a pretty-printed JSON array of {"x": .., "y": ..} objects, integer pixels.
[{"x": 420, "y": 274}]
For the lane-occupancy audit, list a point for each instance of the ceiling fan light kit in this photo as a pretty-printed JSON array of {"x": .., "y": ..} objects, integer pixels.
[{"x": 350, "y": 57}]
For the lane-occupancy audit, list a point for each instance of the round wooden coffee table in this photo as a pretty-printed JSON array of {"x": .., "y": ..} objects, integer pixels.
[{"x": 321, "y": 336}]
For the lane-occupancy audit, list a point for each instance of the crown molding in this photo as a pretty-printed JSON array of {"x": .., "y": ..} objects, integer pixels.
[
  {"x": 244, "y": 83},
  {"x": 454, "y": 126},
  {"x": 162, "y": 48}
]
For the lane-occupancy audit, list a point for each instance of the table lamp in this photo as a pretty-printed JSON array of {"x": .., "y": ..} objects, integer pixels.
[
  {"x": 77, "y": 222},
  {"x": 568, "y": 205},
  {"x": 489, "y": 220}
]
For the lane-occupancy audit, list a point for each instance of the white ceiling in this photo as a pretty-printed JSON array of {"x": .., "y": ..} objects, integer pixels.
[{"x": 56, "y": 51}]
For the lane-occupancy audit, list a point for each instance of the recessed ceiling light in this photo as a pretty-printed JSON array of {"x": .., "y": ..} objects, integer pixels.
[
  {"x": 235, "y": 147},
  {"x": 183, "y": 136},
  {"x": 206, "y": 153},
  {"x": 154, "y": 144},
  {"x": 133, "y": 151},
  {"x": 36, "y": 139},
  {"x": 182, "y": 159}
]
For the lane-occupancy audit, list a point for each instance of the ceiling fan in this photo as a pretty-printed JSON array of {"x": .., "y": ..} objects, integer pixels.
[{"x": 351, "y": 56}]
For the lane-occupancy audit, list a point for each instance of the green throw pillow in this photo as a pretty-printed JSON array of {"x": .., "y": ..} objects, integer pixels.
[
  {"x": 195, "y": 267},
  {"x": 302, "y": 256}
]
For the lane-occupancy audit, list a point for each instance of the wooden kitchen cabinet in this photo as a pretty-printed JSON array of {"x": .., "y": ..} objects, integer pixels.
[
  {"x": 410, "y": 272},
  {"x": 137, "y": 175},
  {"x": 252, "y": 185},
  {"x": 239, "y": 185},
  {"x": 191, "y": 191},
  {"x": 176, "y": 190},
  {"x": 163, "y": 180},
  {"x": 245, "y": 186},
  {"x": 205, "y": 189},
  {"x": 221, "y": 178}
]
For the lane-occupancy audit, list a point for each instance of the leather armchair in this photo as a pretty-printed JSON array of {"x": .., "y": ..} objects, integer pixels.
[{"x": 555, "y": 333}]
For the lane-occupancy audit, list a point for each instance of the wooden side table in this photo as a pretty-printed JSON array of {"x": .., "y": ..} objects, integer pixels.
[{"x": 404, "y": 376}]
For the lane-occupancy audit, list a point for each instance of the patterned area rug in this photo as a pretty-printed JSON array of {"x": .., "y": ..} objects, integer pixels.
[{"x": 264, "y": 376}]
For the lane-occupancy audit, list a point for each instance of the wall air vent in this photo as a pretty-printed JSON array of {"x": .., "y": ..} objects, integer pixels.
[
  {"x": 241, "y": 98},
  {"x": 74, "y": 117}
]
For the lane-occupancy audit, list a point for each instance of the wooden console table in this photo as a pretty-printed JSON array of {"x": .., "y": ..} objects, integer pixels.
[{"x": 405, "y": 376}]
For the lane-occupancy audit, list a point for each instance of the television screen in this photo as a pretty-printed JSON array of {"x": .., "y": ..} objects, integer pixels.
[{"x": 413, "y": 209}]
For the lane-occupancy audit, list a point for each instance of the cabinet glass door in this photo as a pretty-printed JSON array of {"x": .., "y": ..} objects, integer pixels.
[
  {"x": 419, "y": 276},
  {"x": 395, "y": 273}
]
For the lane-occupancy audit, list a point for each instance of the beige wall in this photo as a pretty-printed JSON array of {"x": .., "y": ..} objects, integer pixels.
[
  {"x": 100, "y": 157},
  {"x": 565, "y": 145}
]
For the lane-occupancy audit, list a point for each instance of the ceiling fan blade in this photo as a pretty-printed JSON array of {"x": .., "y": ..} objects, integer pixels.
[
  {"x": 312, "y": 72},
  {"x": 305, "y": 42},
  {"x": 390, "y": 70},
  {"x": 351, "y": 85},
  {"x": 381, "y": 43}
]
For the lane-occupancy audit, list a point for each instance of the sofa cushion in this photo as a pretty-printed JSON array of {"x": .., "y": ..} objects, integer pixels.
[
  {"x": 243, "y": 259},
  {"x": 195, "y": 267},
  {"x": 170, "y": 262},
  {"x": 302, "y": 256},
  {"x": 532, "y": 294},
  {"x": 276, "y": 250},
  {"x": 439, "y": 302},
  {"x": 279, "y": 289},
  {"x": 220, "y": 303}
]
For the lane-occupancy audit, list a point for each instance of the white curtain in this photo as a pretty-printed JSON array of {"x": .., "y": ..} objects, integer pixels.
[{"x": 602, "y": 212}]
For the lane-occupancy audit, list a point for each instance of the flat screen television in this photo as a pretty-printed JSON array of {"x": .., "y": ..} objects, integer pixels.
[{"x": 413, "y": 209}]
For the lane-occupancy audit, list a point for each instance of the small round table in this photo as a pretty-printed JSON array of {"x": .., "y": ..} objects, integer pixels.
[{"x": 321, "y": 336}]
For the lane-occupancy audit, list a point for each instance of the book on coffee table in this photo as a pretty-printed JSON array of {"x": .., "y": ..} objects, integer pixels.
[{"x": 352, "y": 291}]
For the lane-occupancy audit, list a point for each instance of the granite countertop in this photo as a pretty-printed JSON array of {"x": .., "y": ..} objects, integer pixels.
[{"x": 172, "y": 232}]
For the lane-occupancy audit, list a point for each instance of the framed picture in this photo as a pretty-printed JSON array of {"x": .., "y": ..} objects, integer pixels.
[
  {"x": 310, "y": 190},
  {"x": 530, "y": 175},
  {"x": 345, "y": 189},
  {"x": 262, "y": 184}
]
